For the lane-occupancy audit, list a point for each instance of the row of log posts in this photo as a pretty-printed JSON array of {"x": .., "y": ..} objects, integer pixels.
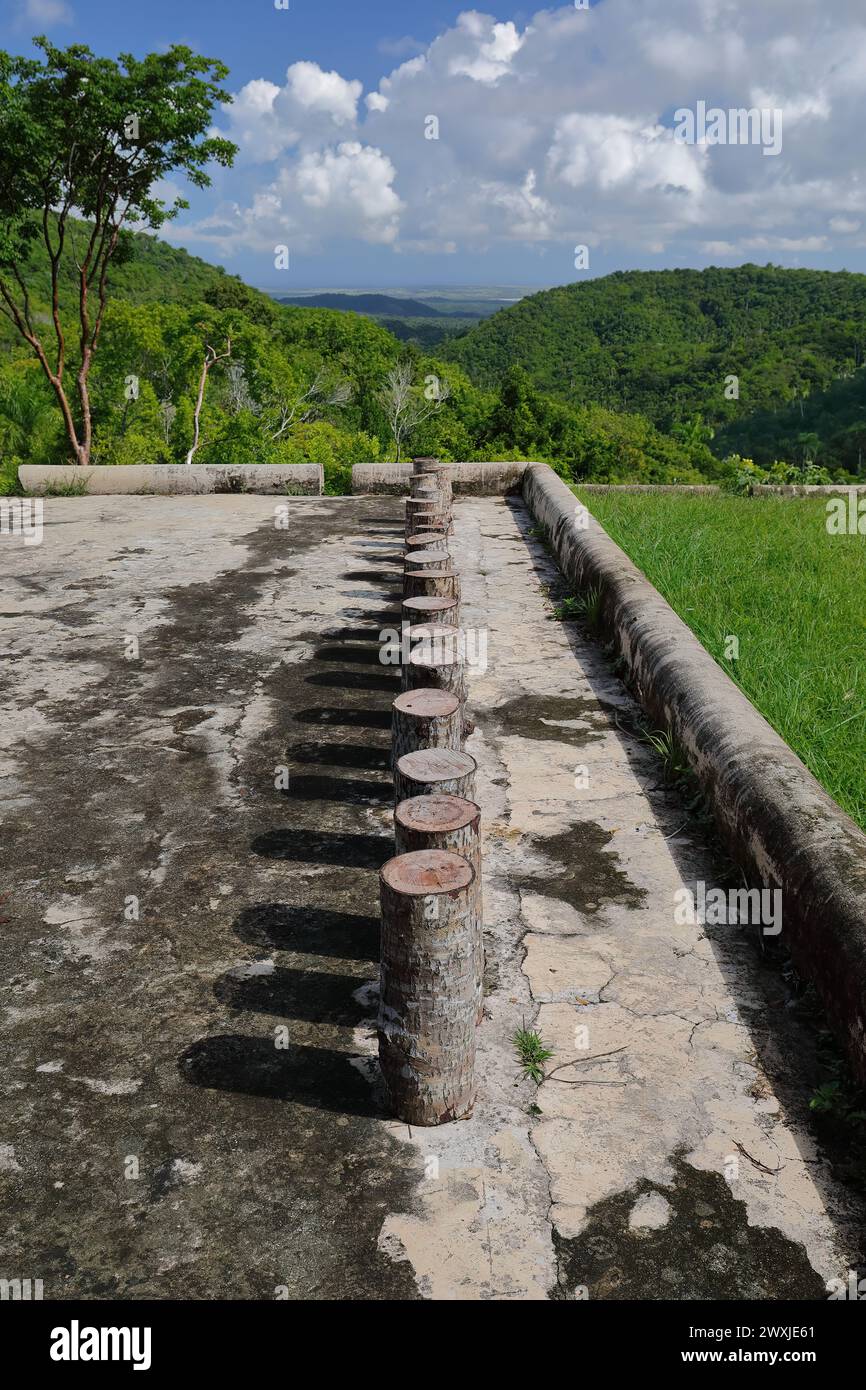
[{"x": 431, "y": 993}]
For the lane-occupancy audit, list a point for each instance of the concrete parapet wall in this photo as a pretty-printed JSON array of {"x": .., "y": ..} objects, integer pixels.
[
  {"x": 779, "y": 823},
  {"x": 475, "y": 479},
  {"x": 300, "y": 479}
]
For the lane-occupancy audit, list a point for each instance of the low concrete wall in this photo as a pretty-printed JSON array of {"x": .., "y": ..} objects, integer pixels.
[
  {"x": 807, "y": 489},
  {"x": 476, "y": 479},
  {"x": 778, "y": 822},
  {"x": 298, "y": 479},
  {"x": 649, "y": 487}
]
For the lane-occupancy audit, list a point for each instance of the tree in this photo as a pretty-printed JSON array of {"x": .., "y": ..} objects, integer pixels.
[
  {"x": 92, "y": 136},
  {"x": 405, "y": 409},
  {"x": 211, "y": 358}
]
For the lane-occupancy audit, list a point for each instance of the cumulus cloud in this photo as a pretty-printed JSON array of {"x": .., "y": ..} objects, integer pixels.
[
  {"x": 45, "y": 12},
  {"x": 561, "y": 130}
]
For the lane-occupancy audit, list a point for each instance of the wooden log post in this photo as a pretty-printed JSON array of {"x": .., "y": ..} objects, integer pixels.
[
  {"x": 431, "y": 770},
  {"x": 443, "y": 584},
  {"x": 448, "y": 823},
  {"x": 436, "y": 664},
  {"x": 426, "y": 465},
  {"x": 425, "y": 719},
  {"x": 430, "y": 609},
  {"x": 427, "y": 561},
  {"x": 417, "y": 508},
  {"x": 427, "y": 1006},
  {"x": 427, "y": 540}
]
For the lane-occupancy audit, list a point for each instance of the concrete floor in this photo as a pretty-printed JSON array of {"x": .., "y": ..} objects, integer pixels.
[{"x": 190, "y": 1100}]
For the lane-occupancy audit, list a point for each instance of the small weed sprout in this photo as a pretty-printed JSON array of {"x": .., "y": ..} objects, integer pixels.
[{"x": 532, "y": 1053}]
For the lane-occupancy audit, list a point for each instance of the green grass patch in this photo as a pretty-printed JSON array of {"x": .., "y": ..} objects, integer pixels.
[
  {"x": 766, "y": 572},
  {"x": 532, "y": 1053}
]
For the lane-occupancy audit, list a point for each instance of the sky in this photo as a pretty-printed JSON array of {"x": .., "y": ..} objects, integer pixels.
[{"x": 394, "y": 145}]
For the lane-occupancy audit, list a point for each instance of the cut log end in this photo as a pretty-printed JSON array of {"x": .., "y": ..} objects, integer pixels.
[
  {"x": 427, "y": 704},
  {"x": 437, "y": 814},
  {"x": 427, "y": 873}
]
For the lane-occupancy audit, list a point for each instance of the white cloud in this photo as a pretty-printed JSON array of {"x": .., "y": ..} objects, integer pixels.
[
  {"x": 560, "y": 131},
  {"x": 328, "y": 92},
  {"x": 45, "y": 12},
  {"x": 491, "y": 49}
]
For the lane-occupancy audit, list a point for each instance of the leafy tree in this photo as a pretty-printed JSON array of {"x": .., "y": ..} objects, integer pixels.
[{"x": 87, "y": 133}]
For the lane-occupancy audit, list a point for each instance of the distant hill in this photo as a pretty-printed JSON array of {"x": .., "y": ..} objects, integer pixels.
[
  {"x": 368, "y": 304},
  {"x": 666, "y": 343}
]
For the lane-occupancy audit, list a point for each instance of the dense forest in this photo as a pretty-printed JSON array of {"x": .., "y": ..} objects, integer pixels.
[
  {"x": 666, "y": 344},
  {"x": 619, "y": 379},
  {"x": 292, "y": 384}
]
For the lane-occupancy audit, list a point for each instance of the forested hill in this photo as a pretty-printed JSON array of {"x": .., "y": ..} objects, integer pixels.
[
  {"x": 663, "y": 342},
  {"x": 378, "y": 304},
  {"x": 144, "y": 271}
]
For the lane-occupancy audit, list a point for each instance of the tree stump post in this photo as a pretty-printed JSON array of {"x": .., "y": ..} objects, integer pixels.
[
  {"x": 427, "y": 987},
  {"x": 431, "y": 770},
  {"x": 448, "y": 823},
  {"x": 436, "y": 664},
  {"x": 443, "y": 584},
  {"x": 425, "y": 718},
  {"x": 427, "y": 561},
  {"x": 428, "y": 609},
  {"x": 426, "y": 540}
]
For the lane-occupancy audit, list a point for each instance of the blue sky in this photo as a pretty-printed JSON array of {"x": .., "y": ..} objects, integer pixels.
[{"x": 394, "y": 145}]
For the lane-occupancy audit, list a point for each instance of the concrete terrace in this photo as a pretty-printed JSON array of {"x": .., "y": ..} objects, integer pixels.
[{"x": 189, "y": 951}]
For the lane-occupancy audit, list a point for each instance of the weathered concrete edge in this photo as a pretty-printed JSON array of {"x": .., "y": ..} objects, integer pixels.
[
  {"x": 778, "y": 822},
  {"x": 468, "y": 479},
  {"x": 168, "y": 479}
]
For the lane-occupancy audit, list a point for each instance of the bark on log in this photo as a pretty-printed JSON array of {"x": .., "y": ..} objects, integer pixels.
[
  {"x": 427, "y": 561},
  {"x": 445, "y": 584},
  {"x": 426, "y": 465},
  {"x": 427, "y": 990},
  {"x": 429, "y": 609},
  {"x": 425, "y": 719},
  {"x": 436, "y": 665},
  {"x": 428, "y": 771},
  {"x": 453, "y": 824},
  {"x": 427, "y": 540}
]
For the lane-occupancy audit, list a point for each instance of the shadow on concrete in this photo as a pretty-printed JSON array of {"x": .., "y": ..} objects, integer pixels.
[
  {"x": 292, "y": 992},
  {"x": 352, "y": 790},
  {"x": 348, "y": 718},
  {"x": 325, "y": 847},
  {"x": 311, "y": 1076},
  {"x": 374, "y": 576},
  {"x": 356, "y": 680},
  {"x": 312, "y": 931},
  {"x": 355, "y": 755}
]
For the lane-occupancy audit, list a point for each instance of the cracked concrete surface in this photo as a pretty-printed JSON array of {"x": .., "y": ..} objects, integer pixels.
[{"x": 191, "y": 1102}]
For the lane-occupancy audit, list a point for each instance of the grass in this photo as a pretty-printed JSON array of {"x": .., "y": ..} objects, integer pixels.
[
  {"x": 71, "y": 487},
  {"x": 532, "y": 1053},
  {"x": 766, "y": 571}
]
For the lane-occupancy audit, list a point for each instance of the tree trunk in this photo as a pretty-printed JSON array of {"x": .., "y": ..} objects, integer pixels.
[
  {"x": 431, "y": 609},
  {"x": 427, "y": 992},
  {"x": 452, "y": 824},
  {"x": 431, "y": 770},
  {"x": 425, "y": 719}
]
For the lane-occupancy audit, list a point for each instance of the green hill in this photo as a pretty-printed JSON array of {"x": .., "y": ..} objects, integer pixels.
[
  {"x": 665, "y": 343},
  {"x": 376, "y": 304}
]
